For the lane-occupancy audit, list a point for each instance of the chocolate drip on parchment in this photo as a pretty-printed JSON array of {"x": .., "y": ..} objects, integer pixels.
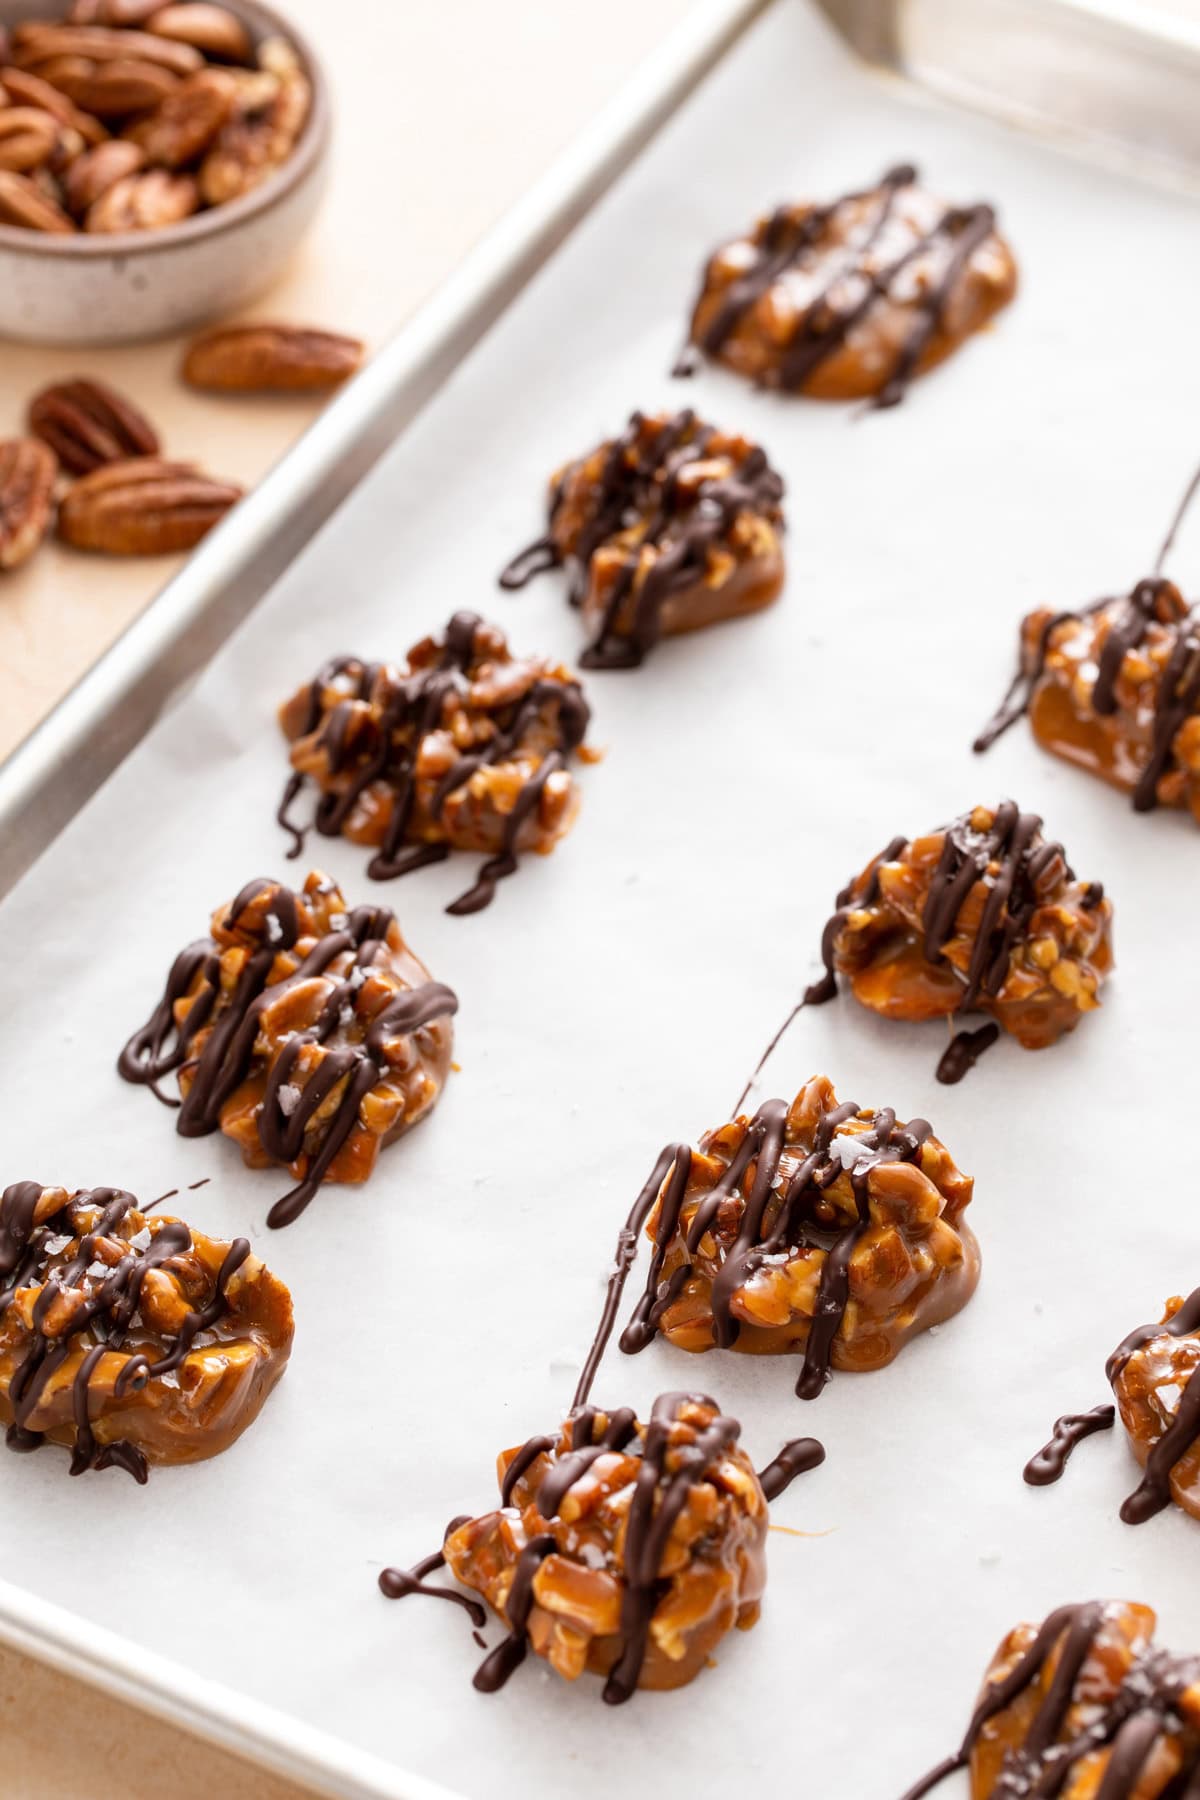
[
  {"x": 796, "y": 1223},
  {"x": 823, "y": 327},
  {"x": 163, "y": 1045},
  {"x": 1128, "y": 1726},
  {"x": 1153, "y": 1491},
  {"x": 102, "y": 1308},
  {"x": 681, "y": 523},
  {"x": 413, "y": 708}
]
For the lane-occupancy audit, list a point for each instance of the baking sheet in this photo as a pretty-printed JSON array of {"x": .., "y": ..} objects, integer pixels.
[{"x": 617, "y": 994}]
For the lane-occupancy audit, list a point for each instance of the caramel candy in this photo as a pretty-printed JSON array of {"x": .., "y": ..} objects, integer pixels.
[
  {"x": 851, "y": 300},
  {"x": 671, "y": 526},
  {"x": 824, "y": 1230},
  {"x": 1084, "y": 1706},
  {"x": 1155, "y": 1375},
  {"x": 130, "y": 1339},
  {"x": 983, "y": 915},
  {"x": 623, "y": 1548},
  {"x": 464, "y": 748},
  {"x": 1115, "y": 689},
  {"x": 308, "y": 1033}
]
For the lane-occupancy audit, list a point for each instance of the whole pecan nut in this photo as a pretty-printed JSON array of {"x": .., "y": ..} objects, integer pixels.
[
  {"x": 24, "y": 89},
  {"x": 88, "y": 424},
  {"x": 143, "y": 507},
  {"x": 27, "y": 474},
  {"x": 262, "y": 357},
  {"x": 143, "y": 202},
  {"x": 108, "y": 73},
  {"x": 186, "y": 122},
  {"x": 23, "y": 202}
]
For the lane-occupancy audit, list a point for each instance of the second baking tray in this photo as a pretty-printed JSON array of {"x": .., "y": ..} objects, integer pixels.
[{"x": 617, "y": 993}]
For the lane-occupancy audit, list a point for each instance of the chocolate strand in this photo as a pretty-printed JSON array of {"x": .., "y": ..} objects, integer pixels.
[
  {"x": 796, "y": 1458},
  {"x": 1050, "y": 1462},
  {"x": 163, "y": 1045},
  {"x": 106, "y": 1310},
  {"x": 681, "y": 525},
  {"x": 414, "y": 705}
]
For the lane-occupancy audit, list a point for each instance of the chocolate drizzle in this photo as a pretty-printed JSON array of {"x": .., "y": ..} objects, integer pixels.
[
  {"x": 1050, "y": 1462},
  {"x": 412, "y": 707},
  {"x": 102, "y": 1306},
  {"x": 1128, "y": 1726},
  {"x": 640, "y": 483},
  {"x": 786, "y": 241},
  {"x": 798, "y": 1222},
  {"x": 163, "y": 1045},
  {"x": 796, "y": 1458}
]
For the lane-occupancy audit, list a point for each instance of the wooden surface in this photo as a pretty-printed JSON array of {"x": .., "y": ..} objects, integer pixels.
[{"x": 446, "y": 114}]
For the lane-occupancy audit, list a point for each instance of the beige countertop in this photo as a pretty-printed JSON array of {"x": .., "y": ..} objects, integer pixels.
[{"x": 434, "y": 141}]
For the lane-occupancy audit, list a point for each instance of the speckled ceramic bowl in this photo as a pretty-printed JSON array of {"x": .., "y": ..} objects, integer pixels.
[{"x": 114, "y": 289}]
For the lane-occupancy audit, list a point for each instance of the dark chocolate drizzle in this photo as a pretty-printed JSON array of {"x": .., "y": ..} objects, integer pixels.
[
  {"x": 415, "y": 704},
  {"x": 796, "y": 1458},
  {"x": 643, "y": 483},
  {"x": 800, "y": 1220},
  {"x": 823, "y": 327},
  {"x": 1128, "y": 1725},
  {"x": 106, "y": 1312},
  {"x": 162, "y": 1046},
  {"x": 659, "y": 1496},
  {"x": 1050, "y": 1462}
]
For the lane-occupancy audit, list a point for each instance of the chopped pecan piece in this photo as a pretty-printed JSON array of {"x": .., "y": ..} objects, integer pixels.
[
  {"x": 308, "y": 1033},
  {"x": 464, "y": 748},
  {"x": 143, "y": 507},
  {"x": 24, "y": 203},
  {"x": 184, "y": 124},
  {"x": 853, "y": 299},
  {"x": 1085, "y": 1706},
  {"x": 27, "y": 475},
  {"x": 1115, "y": 689},
  {"x": 130, "y": 1339},
  {"x": 266, "y": 123},
  {"x": 626, "y": 1549},
  {"x": 270, "y": 358},
  {"x": 821, "y": 1229},
  {"x": 143, "y": 202},
  {"x": 983, "y": 915},
  {"x": 86, "y": 424},
  {"x": 667, "y": 528}
]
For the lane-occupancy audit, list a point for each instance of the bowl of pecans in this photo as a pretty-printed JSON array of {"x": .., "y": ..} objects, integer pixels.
[{"x": 158, "y": 163}]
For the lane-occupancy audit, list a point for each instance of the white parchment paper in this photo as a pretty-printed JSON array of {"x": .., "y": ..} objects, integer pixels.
[{"x": 617, "y": 993}]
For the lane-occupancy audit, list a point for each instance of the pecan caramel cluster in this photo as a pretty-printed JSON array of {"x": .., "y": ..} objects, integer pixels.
[
  {"x": 983, "y": 915},
  {"x": 668, "y": 527},
  {"x": 308, "y": 1033},
  {"x": 623, "y": 1548},
  {"x": 818, "y": 1228},
  {"x": 1115, "y": 689},
  {"x": 1155, "y": 1376},
  {"x": 466, "y": 747},
  {"x": 852, "y": 299},
  {"x": 131, "y": 115},
  {"x": 1086, "y": 1706},
  {"x": 130, "y": 1339}
]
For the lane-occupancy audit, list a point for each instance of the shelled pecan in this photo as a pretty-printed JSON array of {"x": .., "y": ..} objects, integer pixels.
[
  {"x": 263, "y": 357},
  {"x": 27, "y": 472},
  {"x": 86, "y": 423},
  {"x": 143, "y": 507}
]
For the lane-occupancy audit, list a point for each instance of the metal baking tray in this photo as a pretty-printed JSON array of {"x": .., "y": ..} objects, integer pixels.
[{"x": 1108, "y": 82}]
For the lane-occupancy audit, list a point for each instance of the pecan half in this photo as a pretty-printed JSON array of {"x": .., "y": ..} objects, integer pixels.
[
  {"x": 187, "y": 121},
  {"x": 87, "y": 424},
  {"x": 111, "y": 12},
  {"x": 213, "y": 29},
  {"x": 264, "y": 128},
  {"x": 28, "y": 137},
  {"x": 143, "y": 507},
  {"x": 144, "y": 202},
  {"x": 261, "y": 357},
  {"x": 24, "y": 89},
  {"x": 108, "y": 73},
  {"x": 99, "y": 169},
  {"x": 23, "y": 202},
  {"x": 27, "y": 474}
]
